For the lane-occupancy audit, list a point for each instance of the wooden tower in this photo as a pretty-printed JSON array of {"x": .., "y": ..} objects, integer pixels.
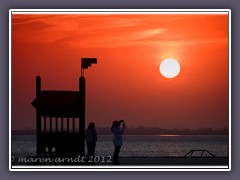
[{"x": 60, "y": 118}]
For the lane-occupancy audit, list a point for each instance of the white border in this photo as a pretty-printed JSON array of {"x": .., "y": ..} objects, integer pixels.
[
  {"x": 229, "y": 86},
  {"x": 116, "y": 11},
  {"x": 10, "y": 88},
  {"x": 122, "y": 168},
  {"x": 120, "y": 11}
]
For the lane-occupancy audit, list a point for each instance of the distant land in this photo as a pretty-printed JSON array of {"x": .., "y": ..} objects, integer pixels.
[{"x": 146, "y": 131}]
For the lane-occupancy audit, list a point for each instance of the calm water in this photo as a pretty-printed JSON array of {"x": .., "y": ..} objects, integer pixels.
[{"x": 137, "y": 146}]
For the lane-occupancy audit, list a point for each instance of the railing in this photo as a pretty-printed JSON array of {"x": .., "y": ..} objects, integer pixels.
[
  {"x": 59, "y": 125},
  {"x": 201, "y": 151}
]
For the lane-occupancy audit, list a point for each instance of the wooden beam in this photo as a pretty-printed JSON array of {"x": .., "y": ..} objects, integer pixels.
[
  {"x": 73, "y": 123},
  {"x": 38, "y": 115},
  {"x": 62, "y": 124},
  {"x": 50, "y": 124},
  {"x": 45, "y": 125},
  {"x": 82, "y": 83},
  {"x": 67, "y": 124}
]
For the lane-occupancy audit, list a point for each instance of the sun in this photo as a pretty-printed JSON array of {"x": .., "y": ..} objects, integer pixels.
[{"x": 169, "y": 68}]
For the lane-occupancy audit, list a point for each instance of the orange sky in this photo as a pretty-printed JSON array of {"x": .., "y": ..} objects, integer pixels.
[{"x": 126, "y": 83}]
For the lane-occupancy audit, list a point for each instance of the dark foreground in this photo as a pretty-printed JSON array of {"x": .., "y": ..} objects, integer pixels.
[
  {"x": 145, "y": 161},
  {"x": 208, "y": 161}
]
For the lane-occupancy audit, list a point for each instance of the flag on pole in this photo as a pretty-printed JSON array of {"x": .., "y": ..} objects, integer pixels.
[{"x": 87, "y": 62}]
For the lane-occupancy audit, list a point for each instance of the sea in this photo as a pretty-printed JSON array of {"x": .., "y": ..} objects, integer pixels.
[{"x": 140, "y": 145}]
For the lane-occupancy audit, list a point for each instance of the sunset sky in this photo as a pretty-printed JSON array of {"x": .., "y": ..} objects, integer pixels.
[{"x": 126, "y": 82}]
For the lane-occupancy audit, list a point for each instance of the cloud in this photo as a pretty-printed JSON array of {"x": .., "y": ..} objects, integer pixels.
[
  {"x": 102, "y": 31},
  {"x": 85, "y": 31}
]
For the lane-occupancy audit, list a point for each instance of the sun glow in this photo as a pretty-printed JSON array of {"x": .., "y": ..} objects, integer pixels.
[{"x": 169, "y": 68}]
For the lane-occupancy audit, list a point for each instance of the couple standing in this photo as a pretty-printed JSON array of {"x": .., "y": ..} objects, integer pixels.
[{"x": 117, "y": 130}]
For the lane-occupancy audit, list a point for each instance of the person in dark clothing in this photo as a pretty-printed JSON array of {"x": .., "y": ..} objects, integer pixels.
[
  {"x": 117, "y": 130},
  {"x": 91, "y": 139}
]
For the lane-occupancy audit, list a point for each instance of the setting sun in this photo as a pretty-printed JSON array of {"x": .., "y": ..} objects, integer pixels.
[{"x": 169, "y": 68}]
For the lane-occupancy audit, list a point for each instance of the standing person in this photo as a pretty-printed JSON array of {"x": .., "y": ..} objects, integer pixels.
[
  {"x": 91, "y": 138},
  {"x": 117, "y": 141}
]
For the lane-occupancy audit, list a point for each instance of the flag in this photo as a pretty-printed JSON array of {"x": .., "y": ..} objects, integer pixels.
[{"x": 86, "y": 62}]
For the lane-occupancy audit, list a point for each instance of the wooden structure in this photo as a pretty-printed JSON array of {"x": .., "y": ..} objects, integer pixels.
[{"x": 60, "y": 118}]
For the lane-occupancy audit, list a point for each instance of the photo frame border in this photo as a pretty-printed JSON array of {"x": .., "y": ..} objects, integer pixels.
[{"x": 121, "y": 11}]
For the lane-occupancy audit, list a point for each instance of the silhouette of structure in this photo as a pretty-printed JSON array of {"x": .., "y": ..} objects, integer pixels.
[{"x": 60, "y": 118}]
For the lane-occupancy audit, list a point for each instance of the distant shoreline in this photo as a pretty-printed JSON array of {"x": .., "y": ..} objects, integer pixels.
[{"x": 148, "y": 131}]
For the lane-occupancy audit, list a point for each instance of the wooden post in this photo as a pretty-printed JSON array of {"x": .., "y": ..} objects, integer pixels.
[
  {"x": 56, "y": 124},
  {"x": 50, "y": 124},
  {"x": 62, "y": 124},
  {"x": 45, "y": 125},
  {"x": 82, "y": 87},
  {"x": 67, "y": 124},
  {"x": 73, "y": 125},
  {"x": 38, "y": 115}
]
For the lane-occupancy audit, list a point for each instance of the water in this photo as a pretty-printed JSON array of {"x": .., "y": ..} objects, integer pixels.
[{"x": 139, "y": 146}]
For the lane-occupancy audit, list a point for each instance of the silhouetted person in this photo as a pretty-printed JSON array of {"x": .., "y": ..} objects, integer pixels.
[
  {"x": 117, "y": 141},
  {"x": 91, "y": 138}
]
